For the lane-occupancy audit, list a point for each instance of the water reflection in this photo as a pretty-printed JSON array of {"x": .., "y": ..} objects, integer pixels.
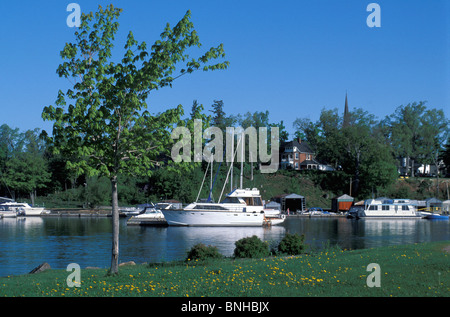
[
  {"x": 161, "y": 244},
  {"x": 27, "y": 242}
]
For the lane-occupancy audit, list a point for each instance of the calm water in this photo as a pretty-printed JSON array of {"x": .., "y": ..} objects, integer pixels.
[{"x": 25, "y": 243}]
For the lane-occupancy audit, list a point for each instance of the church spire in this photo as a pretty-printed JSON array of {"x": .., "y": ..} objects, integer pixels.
[{"x": 346, "y": 113}]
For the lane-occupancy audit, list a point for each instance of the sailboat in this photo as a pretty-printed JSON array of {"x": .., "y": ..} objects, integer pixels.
[{"x": 240, "y": 207}]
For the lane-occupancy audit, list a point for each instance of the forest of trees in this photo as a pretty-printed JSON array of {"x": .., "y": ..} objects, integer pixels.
[
  {"x": 364, "y": 149},
  {"x": 371, "y": 150}
]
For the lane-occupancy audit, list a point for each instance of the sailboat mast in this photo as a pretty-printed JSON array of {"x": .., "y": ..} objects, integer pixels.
[
  {"x": 232, "y": 161},
  {"x": 242, "y": 157}
]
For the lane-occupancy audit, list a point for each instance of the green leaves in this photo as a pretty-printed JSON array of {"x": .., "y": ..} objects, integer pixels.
[{"x": 101, "y": 121}]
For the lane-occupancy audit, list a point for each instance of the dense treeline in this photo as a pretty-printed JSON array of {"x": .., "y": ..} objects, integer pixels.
[
  {"x": 372, "y": 151},
  {"x": 364, "y": 151}
]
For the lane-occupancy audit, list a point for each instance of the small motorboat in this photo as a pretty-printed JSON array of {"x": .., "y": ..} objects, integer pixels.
[
  {"x": 435, "y": 216},
  {"x": 7, "y": 212}
]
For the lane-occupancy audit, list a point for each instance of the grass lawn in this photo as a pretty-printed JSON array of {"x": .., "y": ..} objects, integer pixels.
[{"x": 407, "y": 270}]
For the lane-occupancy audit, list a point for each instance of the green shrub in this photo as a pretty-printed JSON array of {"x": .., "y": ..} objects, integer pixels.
[
  {"x": 251, "y": 247},
  {"x": 202, "y": 252},
  {"x": 292, "y": 244}
]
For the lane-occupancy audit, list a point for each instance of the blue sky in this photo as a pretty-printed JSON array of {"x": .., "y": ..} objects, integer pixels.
[{"x": 292, "y": 58}]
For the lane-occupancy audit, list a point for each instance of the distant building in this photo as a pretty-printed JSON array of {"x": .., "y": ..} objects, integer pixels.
[
  {"x": 293, "y": 202},
  {"x": 298, "y": 155},
  {"x": 341, "y": 203}
]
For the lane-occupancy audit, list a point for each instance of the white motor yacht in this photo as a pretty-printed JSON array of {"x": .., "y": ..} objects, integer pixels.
[
  {"x": 241, "y": 207},
  {"x": 29, "y": 211}
]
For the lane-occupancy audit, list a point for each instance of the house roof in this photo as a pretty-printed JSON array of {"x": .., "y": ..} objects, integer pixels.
[
  {"x": 309, "y": 162},
  {"x": 291, "y": 196},
  {"x": 303, "y": 147}
]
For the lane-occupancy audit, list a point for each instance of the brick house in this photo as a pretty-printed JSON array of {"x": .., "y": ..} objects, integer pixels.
[{"x": 298, "y": 155}]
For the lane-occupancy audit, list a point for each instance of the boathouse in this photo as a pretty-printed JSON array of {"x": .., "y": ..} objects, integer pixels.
[
  {"x": 341, "y": 203},
  {"x": 293, "y": 202},
  {"x": 433, "y": 203}
]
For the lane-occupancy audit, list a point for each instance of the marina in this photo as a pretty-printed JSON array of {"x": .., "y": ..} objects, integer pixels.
[{"x": 27, "y": 242}]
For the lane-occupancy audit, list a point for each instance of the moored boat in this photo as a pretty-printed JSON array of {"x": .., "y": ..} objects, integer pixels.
[
  {"x": 386, "y": 208},
  {"x": 435, "y": 216},
  {"x": 27, "y": 209},
  {"x": 241, "y": 207},
  {"x": 6, "y": 212}
]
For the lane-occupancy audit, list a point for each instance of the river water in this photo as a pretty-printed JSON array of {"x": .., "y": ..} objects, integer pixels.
[{"x": 27, "y": 242}]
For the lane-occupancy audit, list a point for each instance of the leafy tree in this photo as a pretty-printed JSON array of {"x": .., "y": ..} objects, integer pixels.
[
  {"x": 219, "y": 119},
  {"x": 103, "y": 119},
  {"x": 9, "y": 139},
  {"x": 434, "y": 132},
  {"x": 446, "y": 155},
  {"x": 309, "y": 132},
  {"x": 284, "y": 135},
  {"x": 23, "y": 167},
  {"x": 329, "y": 140},
  {"x": 356, "y": 143},
  {"x": 406, "y": 131}
]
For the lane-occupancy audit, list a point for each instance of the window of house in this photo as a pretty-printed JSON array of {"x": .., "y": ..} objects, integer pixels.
[
  {"x": 296, "y": 165},
  {"x": 296, "y": 156}
]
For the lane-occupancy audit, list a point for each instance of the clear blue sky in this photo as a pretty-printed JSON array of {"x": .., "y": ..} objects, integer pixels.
[{"x": 293, "y": 58}]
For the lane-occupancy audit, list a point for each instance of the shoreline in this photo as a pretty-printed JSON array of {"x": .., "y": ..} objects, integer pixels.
[
  {"x": 106, "y": 212},
  {"x": 331, "y": 272}
]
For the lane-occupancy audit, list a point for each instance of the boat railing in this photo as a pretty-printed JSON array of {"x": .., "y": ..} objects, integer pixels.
[{"x": 430, "y": 209}]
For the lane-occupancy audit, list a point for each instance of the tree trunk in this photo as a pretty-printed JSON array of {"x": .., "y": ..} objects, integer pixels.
[
  {"x": 115, "y": 228},
  {"x": 32, "y": 197}
]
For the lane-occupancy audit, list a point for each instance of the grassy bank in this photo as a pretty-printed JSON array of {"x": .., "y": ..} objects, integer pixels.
[{"x": 410, "y": 270}]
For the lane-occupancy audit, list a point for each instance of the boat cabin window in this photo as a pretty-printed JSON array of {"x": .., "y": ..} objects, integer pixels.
[
  {"x": 231, "y": 200},
  {"x": 257, "y": 201},
  {"x": 373, "y": 207},
  {"x": 253, "y": 201},
  {"x": 208, "y": 207},
  {"x": 385, "y": 207},
  {"x": 405, "y": 207}
]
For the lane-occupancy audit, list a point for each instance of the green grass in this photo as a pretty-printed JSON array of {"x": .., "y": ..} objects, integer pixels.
[{"x": 409, "y": 270}]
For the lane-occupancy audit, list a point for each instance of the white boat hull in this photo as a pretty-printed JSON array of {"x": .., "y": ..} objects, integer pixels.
[
  {"x": 380, "y": 214},
  {"x": 276, "y": 220},
  {"x": 213, "y": 218},
  {"x": 8, "y": 214},
  {"x": 33, "y": 211}
]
